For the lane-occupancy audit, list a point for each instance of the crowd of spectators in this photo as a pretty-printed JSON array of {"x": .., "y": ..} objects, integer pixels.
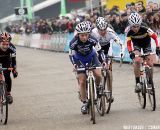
[{"x": 115, "y": 17}]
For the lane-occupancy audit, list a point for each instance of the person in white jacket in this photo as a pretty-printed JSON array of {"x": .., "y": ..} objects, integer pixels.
[{"x": 104, "y": 34}]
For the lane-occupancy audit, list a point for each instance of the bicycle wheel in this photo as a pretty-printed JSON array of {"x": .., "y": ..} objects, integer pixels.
[
  {"x": 142, "y": 94},
  {"x": 108, "y": 95},
  {"x": 101, "y": 103},
  {"x": 92, "y": 107},
  {"x": 151, "y": 90},
  {"x": 3, "y": 104}
]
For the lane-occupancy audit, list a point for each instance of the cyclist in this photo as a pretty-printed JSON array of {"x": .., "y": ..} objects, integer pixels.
[
  {"x": 139, "y": 38},
  {"x": 83, "y": 49},
  {"x": 8, "y": 59},
  {"x": 105, "y": 35}
]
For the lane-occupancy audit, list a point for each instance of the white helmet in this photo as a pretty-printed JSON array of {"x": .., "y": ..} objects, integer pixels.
[
  {"x": 101, "y": 23},
  {"x": 83, "y": 27},
  {"x": 134, "y": 19}
]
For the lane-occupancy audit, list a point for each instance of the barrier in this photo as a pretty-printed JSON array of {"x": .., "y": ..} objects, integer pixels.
[
  {"x": 60, "y": 42},
  {"x": 55, "y": 42}
]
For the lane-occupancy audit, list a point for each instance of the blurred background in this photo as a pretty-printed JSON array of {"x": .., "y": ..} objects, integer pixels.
[{"x": 50, "y": 16}]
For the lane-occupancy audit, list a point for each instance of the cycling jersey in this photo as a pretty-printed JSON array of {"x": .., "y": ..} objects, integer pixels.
[
  {"x": 8, "y": 57},
  {"x": 141, "y": 39},
  {"x": 85, "y": 51},
  {"x": 105, "y": 40}
]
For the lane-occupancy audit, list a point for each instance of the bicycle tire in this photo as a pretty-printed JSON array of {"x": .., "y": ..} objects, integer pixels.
[
  {"x": 92, "y": 107},
  {"x": 108, "y": 79},
  {"x": 3, "y": 104},
  {"x": 142, "y": 94},
  {"x": 101, "y": 108},
  {"x": 151, "y": 92}
]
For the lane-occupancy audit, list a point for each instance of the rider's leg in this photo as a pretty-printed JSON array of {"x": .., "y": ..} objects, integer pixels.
[
  {"x": 97, "y": 72},
  {"x": 9, "y": 84},
  {"x": 136, "y": 66},
  {"x": 98, "y": 76},
  {"x": 82, "y": 85},
  {"x": 151, "y": 60},
  {"x": 8, "y": 80}
]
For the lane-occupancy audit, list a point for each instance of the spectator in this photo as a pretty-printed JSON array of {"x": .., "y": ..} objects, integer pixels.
[
  {"x": 156, "y": 21},
  {"x": 140, "y": 7},
  {"x": 117, "y": 25},
  {"x": 70, "y": 26},
  {"x": 116, "y": 18},
  {"x": 28, "y": 29},
  {"x": 155, "y": 7}
]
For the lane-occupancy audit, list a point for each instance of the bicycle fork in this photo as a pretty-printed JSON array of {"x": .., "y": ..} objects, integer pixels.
[
  {"x": 143, "y": 75},
  {"x": 91, "y": 77}
]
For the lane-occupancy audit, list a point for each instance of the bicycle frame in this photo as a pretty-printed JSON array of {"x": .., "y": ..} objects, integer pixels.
[
  {"x": 143, "y": 66},
  {"x": 145, "y": 77},
  {"x": 90, "y": 76},
  {"x": 1, "y": 73},
  {"x": 3, "y": 97},
  {"x": 91, "y": 90}
]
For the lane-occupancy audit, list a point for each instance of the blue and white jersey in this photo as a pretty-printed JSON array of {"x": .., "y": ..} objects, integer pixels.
[{"x": 85, "y": 50}]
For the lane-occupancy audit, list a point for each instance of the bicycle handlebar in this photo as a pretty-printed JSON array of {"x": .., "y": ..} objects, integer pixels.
[
  {"x": 88, "y": 68},
  {"x": 114, "y": 56},
  {"x": 121, "y": 58},
  {"x": 144, "y": 55},
  {"x": 2, "y": 69}
]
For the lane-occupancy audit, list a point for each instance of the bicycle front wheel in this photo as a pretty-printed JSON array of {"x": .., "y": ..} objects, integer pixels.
[
  {"x": 108, "y": 95},
  {"x": 101, "y": 102},
  {"x": 3, "y": 104},
  {"x": 142, "y": 94},
  {"x": 92, "y": 99},
  {"x": 152, "y": 97},
  {"x": 151, "y": 90}
]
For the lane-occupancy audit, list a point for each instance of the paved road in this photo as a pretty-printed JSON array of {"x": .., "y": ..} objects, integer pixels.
[{"x": 45, "y": 97}]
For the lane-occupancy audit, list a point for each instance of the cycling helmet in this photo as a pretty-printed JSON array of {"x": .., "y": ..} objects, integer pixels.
[
  {"x": 101, "y": 23},
  {"x": 134, "y": 19},
  {"x": 83, "y": 27},
  {"x": 88, "y": 23},
  {"x": 5, "y": 37}
]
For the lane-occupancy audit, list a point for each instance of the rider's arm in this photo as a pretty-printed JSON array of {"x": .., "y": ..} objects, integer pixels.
[
  {"x": 100, "y": 52},
  {"x": 71, "y": 56},
  {"x": 115, "y": 37},
  {"x": 154, "y": 36},
  {"x": 13, "y": 55},
  {"x": 72, "y": 47},
  {"x": 118, "y": 40},
  {"x": 129, "y": 44}
]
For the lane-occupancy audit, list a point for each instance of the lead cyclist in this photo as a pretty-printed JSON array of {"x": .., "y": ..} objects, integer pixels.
[{"x": 84, "y": 48}]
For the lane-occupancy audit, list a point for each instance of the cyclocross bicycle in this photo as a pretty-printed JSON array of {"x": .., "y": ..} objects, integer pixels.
[
  {"x": 91, "y": 90},
  {"x": 146, "y": 81},
  {"x": 3, "y": 97},
  {"x": 105, "y": 99}
]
